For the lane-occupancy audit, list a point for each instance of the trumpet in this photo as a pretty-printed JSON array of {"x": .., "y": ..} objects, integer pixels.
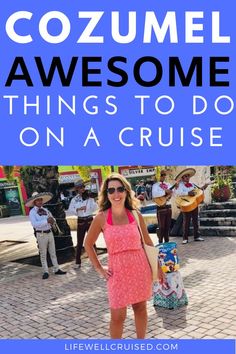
[{"x": 56, "y": 228}]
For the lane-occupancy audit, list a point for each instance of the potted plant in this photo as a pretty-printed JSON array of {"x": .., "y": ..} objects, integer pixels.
[{"x": 222, "y": 187}]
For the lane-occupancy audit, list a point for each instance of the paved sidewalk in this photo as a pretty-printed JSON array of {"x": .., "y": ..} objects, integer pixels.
[{"x": 75, "y": 305}]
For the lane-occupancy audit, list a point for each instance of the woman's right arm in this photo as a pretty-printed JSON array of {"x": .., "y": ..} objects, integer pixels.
[{"x": 91, "y": 237}]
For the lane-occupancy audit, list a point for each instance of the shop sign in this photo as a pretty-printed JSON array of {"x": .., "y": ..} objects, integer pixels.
[
  {"x": 7, "y": 184},
  {"x": 63, "y": 179},
  {"x": 138, "y": 172}
]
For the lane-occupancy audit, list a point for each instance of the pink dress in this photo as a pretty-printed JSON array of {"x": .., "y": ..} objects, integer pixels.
[{"x": 131, "y": 280}]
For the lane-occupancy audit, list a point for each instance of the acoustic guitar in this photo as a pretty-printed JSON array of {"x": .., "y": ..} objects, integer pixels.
[
  {"x": 186, "y": 203},
  {"x": 161, "y": 201}
]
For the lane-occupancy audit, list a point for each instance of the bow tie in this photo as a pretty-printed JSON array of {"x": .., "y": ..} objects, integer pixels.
[
  {"x": 163, "y": 185},
  {"x": 41, "y": 211},
  {"x": 188, "y": 185}
]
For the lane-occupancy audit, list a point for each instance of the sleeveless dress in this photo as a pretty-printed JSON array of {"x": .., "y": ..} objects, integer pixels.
[{"x": 131, "y": 280}]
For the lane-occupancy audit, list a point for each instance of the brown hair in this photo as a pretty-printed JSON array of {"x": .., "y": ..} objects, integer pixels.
[{"x": 131, "y": 202}]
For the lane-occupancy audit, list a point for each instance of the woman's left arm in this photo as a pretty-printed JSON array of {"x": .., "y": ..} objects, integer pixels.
[
  {"x": 143, "y": 227},
  {"x": 148, "y": 241}
]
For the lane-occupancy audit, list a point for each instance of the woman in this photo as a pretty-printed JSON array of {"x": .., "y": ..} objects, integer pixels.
[{"x": 128, "y": 273}]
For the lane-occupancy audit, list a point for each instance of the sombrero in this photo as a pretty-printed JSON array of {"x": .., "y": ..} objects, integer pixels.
[
  {"x": 46, "y": 196},
  {"x": 187, "y": 171},
  {"x": 166, "y": 171}
]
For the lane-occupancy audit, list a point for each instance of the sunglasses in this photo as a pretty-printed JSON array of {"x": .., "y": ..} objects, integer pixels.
[
  {"x": 112, "y": 190},
  {"x": 186, "y": 176},
  {"x": 163, "y": 174}
]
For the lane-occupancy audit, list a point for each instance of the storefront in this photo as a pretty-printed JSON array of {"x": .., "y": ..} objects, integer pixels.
[
  {"x": 68, "y": 176},
  {"x": 136, "y": 174},
  {"x": 94, "y": 185},
  {"x": 11, "y": 196},
  {"x": 67, "y": 180}
]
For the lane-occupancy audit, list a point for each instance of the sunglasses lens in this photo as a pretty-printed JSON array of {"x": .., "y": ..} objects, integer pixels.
[
  {"x": 112, "y": 190},
  {"x": 121, "y": 189},
  {"x": 163, "y": 174}
]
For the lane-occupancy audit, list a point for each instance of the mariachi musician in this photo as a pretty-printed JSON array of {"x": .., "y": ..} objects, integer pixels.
[
  {"x": 161, "y": 194},
  {"x": 42, "y": 222},
  {"x": 83, "y": 206},
  {"x": 184, "y": 187}
]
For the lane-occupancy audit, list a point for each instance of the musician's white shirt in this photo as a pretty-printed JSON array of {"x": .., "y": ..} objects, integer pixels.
[
  {"x": 182, "y": 189},
  {"x": 39, "y": 222},
  {"x": 78, "y": 202},
  {"x": 159, "y": 191}
]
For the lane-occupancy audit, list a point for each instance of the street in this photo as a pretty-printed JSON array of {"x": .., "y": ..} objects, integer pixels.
[{"x": 75, "y": 305}]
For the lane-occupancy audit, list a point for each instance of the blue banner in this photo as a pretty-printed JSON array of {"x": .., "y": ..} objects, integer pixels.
[
  {"x": 60, "y": 346},
  {"x": 121, "y": 83}
]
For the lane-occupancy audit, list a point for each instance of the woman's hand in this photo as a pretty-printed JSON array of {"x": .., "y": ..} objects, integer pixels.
[{"x": 104, "y": 272}]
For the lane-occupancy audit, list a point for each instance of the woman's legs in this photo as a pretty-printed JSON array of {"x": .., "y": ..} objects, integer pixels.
[
  {"x": 140, "y": 316},
  {"x": 118, "y": 317}
]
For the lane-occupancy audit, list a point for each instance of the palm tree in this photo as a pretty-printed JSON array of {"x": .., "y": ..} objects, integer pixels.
[{"x": 45, "y": 179}]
